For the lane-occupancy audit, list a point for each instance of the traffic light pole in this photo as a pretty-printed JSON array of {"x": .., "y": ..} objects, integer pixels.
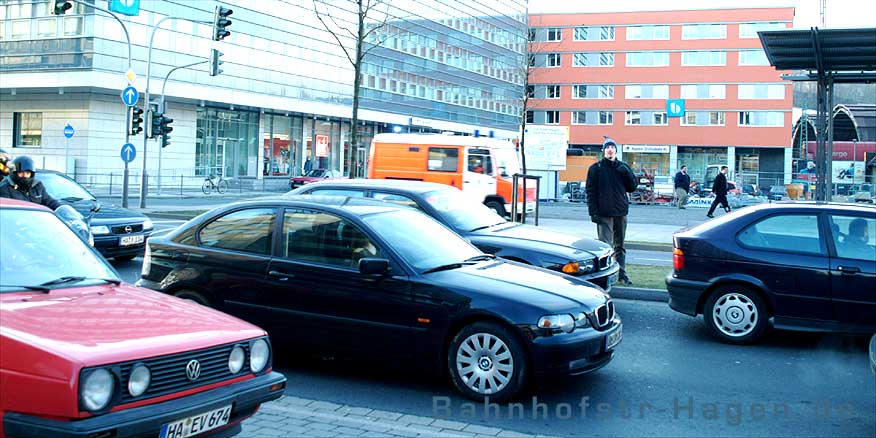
[{"x": 163, "y": 110}]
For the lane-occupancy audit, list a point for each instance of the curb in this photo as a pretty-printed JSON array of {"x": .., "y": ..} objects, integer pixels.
[
  {"x": 639, "y": 294},
  {"x": 649, "y": 246}
]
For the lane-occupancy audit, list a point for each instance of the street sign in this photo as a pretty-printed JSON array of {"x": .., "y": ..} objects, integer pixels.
[
  {"x": 126, "y": 7},
  {"x": 130, "y": 96},
  {"x": 675, "y": 107},
  {"x": 68, "y": 131},
  {"x": 128, "y": 152},
  {"x": 130, "y": 76},
  {"x": 322, "y": 145}
]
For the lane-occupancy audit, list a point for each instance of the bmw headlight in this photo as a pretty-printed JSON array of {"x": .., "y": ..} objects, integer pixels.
[
  {"x": 148, "y": 225},
  {"x": 99, "y": 230},
  {"x": 258, "y": 355},
  {"x": 236, "y": 359},
  {"x": 96, "y": 389},
  {"x": 557, "y": 323},
  {"x": 139, "y": 381}
]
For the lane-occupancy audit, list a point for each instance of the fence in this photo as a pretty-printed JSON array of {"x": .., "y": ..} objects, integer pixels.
[{"x": 174, "y": 184}]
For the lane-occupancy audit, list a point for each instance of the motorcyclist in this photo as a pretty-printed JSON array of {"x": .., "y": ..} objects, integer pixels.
[
  {"x": 4, "y": 164},
  {"x": 23, "y": 185}
]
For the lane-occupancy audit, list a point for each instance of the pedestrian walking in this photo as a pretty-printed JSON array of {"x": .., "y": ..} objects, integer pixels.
[
  {"x": 308, "y": 166},
  {"x": 608, "y": 183},
  {"x": 719, "y": 188},
  {"x": 682, "y": 186}
]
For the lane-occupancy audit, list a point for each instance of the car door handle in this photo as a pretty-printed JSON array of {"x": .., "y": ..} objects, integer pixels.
[
  {"x": 281, "y": 275},
  {"x": 848, "y": 269}
]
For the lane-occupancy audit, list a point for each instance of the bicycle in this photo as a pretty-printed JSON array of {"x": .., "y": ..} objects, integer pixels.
[{"x": 214, "y": 182}]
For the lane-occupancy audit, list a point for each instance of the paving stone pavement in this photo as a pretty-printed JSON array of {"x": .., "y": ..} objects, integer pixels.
[{"x": 299, "y": 417}]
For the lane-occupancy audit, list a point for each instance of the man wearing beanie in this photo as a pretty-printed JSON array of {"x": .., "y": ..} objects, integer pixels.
[{"x": 608, "y": 182}]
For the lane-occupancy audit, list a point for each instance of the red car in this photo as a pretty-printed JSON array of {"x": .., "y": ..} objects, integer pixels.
[
  {"x": 84, "y": 354},
  {"x": 314, "y": 176}
]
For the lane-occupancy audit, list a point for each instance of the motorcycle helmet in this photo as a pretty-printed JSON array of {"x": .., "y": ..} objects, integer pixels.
[{"x": 22, "y": 164}]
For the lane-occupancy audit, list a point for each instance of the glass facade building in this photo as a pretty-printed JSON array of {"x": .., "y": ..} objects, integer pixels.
[{"x": 430, "y": 66}]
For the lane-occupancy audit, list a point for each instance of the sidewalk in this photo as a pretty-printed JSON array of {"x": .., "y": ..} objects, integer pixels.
[{"x": 293, "y": 416}]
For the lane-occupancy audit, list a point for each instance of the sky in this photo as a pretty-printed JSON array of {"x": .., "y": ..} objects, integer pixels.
[{"x": 839, "y": 13}]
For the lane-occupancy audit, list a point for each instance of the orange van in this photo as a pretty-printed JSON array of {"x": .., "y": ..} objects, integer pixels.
[{"x": 480, "y": 166}]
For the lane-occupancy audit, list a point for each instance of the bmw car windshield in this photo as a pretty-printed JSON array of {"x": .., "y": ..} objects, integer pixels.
[
  {"x": 461, "y": 212},
  {"x": 424, "y": 243},
  {"x": 39, "y": 252}
]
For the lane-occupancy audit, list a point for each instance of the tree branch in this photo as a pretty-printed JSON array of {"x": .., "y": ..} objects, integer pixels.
[{"x": 325, "y": 25}]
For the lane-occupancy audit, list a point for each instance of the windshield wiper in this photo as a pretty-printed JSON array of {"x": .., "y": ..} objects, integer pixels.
[
  {"x": 39, "y": 288},
  {"x": 77, "y": 279},
  {"x": 486, "y": 226},
  {"x": 72, "y": 199},
  {"x": 480, "y": 257},
  {"x": 443, "y": 268}
]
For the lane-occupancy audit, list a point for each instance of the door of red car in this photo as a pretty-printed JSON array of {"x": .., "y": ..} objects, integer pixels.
[{"x": 853, "y": 268}]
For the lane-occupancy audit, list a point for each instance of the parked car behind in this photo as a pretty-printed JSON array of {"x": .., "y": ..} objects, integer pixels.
[
  {"x": 84, "y": 354},
  {"x": 582, "y": 257},
  {"x": 378, "y": 280},
  {"x": 797, "y": 266},
  {"x": 313, "y": 176},
  {"x": 118, "y": 232}
]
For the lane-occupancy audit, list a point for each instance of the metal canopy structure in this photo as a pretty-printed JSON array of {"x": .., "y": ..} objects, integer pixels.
[{"x": 831, "y": 56}]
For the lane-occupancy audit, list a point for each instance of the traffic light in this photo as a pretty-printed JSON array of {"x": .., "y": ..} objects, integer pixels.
[
  {"x": 221, "y": 22},
  {"x": 61, "y": 7},
  {"x": 215, "y": 62},
  {"x": 136, "y": 116},
  {"x": 153, "y": 122},
  {"x": 166, "y": 129},
  {"x": 165, "y": 140}
]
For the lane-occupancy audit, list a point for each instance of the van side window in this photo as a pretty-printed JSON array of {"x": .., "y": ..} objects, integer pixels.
[
  {"x": 443, "y": 159},
  {"x": 480, "y": 164}
]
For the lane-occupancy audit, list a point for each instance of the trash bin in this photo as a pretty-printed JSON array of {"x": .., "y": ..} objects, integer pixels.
[{"x": 795, "y": 190}]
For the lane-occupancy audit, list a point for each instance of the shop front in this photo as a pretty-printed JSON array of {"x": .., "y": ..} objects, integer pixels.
[
  {"x": 650, "y": 159},
  {"x": 226, "y": 143},
  {"x": 699, "y": 158}
]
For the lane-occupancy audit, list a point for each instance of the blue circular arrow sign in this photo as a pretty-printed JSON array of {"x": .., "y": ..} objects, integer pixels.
[
  {"x": 130, "y": 96},
  {"x": 68, "y": 131},
  {"x": 128, "y": 152}
]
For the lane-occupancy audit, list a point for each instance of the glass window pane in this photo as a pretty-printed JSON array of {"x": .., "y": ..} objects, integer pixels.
[
  {"x": 72, "y": 26},
  {"x": 246, "y": 230},
  {"x": 443, "y": 159},
  {"x": 792, "y": 233},
  {"x": 325, "y": 238},
  {"x": 854, "y": 237}
]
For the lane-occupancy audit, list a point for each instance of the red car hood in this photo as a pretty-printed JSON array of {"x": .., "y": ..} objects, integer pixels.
[{"x": 104, "y": 324}]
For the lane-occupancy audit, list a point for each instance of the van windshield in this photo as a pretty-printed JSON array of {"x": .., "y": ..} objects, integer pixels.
[{"x": 506, "y": 162}]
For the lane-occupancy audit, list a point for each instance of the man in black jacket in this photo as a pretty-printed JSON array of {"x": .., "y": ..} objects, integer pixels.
[
  {"x": 682, "y": 186},
  {"x": 719, "y": 188},
  {"x": 23, "y": 185},
  {"x": 608, "y": 182}
]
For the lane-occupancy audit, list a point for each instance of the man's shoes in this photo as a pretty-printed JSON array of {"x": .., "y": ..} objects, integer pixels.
[
  {"x": 710, "y": 216},
  {"x": 624, "y": 281}
]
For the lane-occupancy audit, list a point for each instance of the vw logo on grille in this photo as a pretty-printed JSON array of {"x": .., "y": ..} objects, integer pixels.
[
  {"x": 193, "y": 370},
  {"x": 128, "y": 230}
]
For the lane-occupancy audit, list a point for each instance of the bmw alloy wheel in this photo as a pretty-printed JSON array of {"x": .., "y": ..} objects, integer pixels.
[{"x": 484, "y": 363}]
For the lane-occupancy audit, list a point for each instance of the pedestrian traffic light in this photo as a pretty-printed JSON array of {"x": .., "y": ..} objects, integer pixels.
[
  {"x": 221, "y": 22},
  {"x": 215, "y": 62},
  {"x": 61, "y": 7},
  {"x": 136, "y": 117},
  {"x": 165, "y": 140}
]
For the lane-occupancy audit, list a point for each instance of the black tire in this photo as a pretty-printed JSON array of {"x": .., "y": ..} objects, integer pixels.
[
  {"x": 195, "y": 297},
  {"x": 206, "y": 187},
  {"x": 484, "y": 371},
  {"x": 222, "y": 187},
  {"x": 497, "y": 207},
  {"x": 125, "y": 258},
  {"x": 735, "y": 314}
]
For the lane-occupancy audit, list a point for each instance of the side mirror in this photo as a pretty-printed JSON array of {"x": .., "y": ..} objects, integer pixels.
[
  {"x": 96, "y": 207},
  {"x": 373, "y": 266}
]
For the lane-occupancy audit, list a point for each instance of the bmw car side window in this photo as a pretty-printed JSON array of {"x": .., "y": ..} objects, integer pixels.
[
  {"x": 339, "y": 192},
  {"x": 792, "y": 233},
  {"x": 854, "y": 236},
  {"x": 397, "y": 199},
  {"x": 248, "y": 230},
  {"x": 325, "y": 238}
]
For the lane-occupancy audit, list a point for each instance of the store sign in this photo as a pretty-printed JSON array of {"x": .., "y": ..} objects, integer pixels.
[
  {"x": 322, "y": 145},
  {"x": 644, "y": 148},
  {"x": 675, "y": 107}
]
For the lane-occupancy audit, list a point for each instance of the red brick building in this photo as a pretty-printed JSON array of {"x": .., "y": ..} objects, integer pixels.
[{"x": 613, "y": 74}]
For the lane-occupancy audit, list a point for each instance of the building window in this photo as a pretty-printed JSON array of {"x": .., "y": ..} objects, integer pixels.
[
  {"x": 605, "y": 59},
  {"x": 27, "y": 130},
  {"x": 647, "y": 91},
  {"x": 703, "y": 118},
  {"x": 606, "y": 117},
  {"x": 530, "y": 117},
  {"x": 554, "y": 59},
  {"x": 647, "y": 59},
  {"x": 659, "y": 32},
  {"x": 703, "y": 91},
  {"x": 753, "y": 57},
  {"x": 660, "y": 119},
  {"x": 633, "y": 118},
  {"x": 761, "y": 91},
  {"x": 530, "y": 91},
  {"x": 552, "y": 117},
  {"x": 750, "y": 30},
  {"x": 594, "y": 33},
  {"x": 555, "y": 34},
  {"x": 762, "y": 118},
  {"x": 704, "y": 58},
  {"x": 592, "y": 117},
  {"x": 703, "y": 31},
  {"x": 553, "y": 91}
]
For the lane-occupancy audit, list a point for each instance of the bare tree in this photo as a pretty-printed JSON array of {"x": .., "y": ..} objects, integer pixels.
[
  {"x": 364, "y": 9},
  {"x": 526, "y": 68}
]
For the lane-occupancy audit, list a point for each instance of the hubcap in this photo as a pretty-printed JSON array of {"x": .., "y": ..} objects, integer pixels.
[
  {"x": 484, "y": 363},
  {"x": 734, "y": 315}
]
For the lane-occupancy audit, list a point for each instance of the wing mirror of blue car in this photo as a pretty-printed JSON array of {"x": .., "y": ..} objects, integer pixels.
[
  {"x": 373, "y": 266},
  {"x": 96, "y": 207}
]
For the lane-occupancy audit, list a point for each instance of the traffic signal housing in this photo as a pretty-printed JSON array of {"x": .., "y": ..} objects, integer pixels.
[
  {"x": 61, "y": 7},
  {"x": 215, "y": 62},
  {"x": 153, "y": 122},
  {"x": 221, "y": 23},
  {"x": 136, "y": 117},
  {"x": 165, "y": 140},
  {"x": 164, "y": 125}
]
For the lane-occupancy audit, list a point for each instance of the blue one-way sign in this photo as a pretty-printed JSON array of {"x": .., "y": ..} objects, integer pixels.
[
  {"x": 130, "y": 96},
  {"x": 128, "y": 152},
  {"x": 126, "y": 7}
]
